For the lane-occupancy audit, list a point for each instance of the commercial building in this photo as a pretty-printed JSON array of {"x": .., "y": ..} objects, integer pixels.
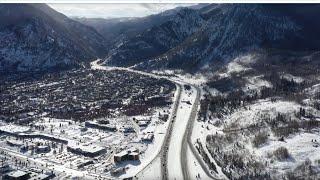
[
  {"x": 88, "y": 151},
  {"x": 131, "y": 154}
]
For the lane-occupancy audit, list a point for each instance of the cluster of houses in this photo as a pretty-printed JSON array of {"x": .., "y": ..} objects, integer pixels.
[{"x": 84, "y": 96}]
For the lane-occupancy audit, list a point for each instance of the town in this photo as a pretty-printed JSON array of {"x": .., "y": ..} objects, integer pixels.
[{"x": 81, "y": 123}]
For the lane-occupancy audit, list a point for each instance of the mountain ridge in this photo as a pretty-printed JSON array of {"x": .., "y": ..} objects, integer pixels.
[
  {"x": 230, "y": 30},
  {"x": 35, "y": 37}
]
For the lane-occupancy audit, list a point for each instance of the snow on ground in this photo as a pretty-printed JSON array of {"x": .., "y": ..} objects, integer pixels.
[
  {"x": 153, "y": 171},
  {"x": 290, "y": 77},
  {"x": 179, "y": 76},
  {"x": 151, "y": 152},
  {"x": 14, "y": 128},
  {"x": 237, "y": 65},
  {"x": 195, "y": 170},
  {"x": 314, "y": 89},
  {"x": 252, "y": 114},
  {"x": 200, "y": 131},
  {"x": 153, "y": 148},
  {"x": 299, "y": 146},
  {"x": 255, "y": 83},
  {"x": 196, "y": 79},
  {"x": 180, "y": 124}
]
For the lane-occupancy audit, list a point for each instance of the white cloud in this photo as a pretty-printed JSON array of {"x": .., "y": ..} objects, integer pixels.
[{"x": 112, "y": 10}]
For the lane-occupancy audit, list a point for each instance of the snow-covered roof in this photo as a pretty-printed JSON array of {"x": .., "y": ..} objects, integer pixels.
[
  {"x": 122, "y": 153},
  {"x": 17, "y": 173},
  {"x": 134, "y": 154},
  {"x": 85, "y": 148},
  {"x": 11, "y": 128}
]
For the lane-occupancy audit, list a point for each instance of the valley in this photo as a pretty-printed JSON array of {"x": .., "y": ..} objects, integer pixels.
[{"x": 207, "y": 91}]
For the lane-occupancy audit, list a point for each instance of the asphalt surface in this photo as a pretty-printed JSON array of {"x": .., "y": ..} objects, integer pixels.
[
  {"x": 165, "y": 145},
  {"x": 187, "y": 134}
]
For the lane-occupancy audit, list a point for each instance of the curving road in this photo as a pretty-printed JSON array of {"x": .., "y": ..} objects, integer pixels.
[
  {"x": 187, "y": 136},
  {"x": 173, "y": 155}
]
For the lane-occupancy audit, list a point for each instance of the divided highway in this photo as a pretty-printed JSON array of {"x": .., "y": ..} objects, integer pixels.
[{"x": 173, "y": 153}]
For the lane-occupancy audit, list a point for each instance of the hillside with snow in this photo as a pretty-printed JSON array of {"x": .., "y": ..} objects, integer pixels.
[
  {"x": 222, "y": 33},
  {"x": 262, "y": 121},
  {"x": 34, "y": 37}
]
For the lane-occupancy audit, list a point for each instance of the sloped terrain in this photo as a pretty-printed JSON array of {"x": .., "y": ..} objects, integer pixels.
[
  {"x": 226, "y": 31},
  {"x": 260, "y": 116},
  {"x": 156, "y": 40},
  {"x": 35, "y": 37}
]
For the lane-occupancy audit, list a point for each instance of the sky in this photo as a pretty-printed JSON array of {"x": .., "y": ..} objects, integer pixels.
[{"x": 112, "y": 10}]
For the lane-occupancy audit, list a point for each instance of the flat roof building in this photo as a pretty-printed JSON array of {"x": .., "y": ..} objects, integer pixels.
[
  {"x": 88, "y": 151},
  {"x": 131, "y": 154},
  {"x": 17, "y": 175}
]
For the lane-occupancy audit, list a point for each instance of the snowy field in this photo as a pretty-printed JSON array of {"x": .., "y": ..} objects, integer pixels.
[{"x": 152, "y": 171}]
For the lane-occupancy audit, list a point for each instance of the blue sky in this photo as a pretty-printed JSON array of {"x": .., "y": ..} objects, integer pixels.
[{"x": 112, "y": 10}]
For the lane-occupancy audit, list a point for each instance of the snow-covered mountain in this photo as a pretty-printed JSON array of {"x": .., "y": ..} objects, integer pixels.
[
  {"x": 216, "y": 34},
  {"x": 116, "y": 30},
  {"x": 158, "y": 39},
  {"x": 36, "y": 37}
]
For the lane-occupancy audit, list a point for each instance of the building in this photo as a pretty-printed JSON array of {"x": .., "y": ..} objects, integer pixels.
[
  {"x": 14, "y": 143},
  {"x": 121, "y": 156},
  {"x": 131, "y": 154},
  {"x": 117, "y": 171},
  {"x": 43, "y": 149},
  {"x": 103, "y": 121},
  {"x": 5, "y": 168},
  {"x": 88, "y": 151},
  {"x": 94, "y": 125},
  {"x": 17, "y": 175},
  {"x": 128, "y": 129},
  {"x": 142, "y": 122},
  {"x": 84, "y": 163},
  {"x": 164, "y": 117},
  {"x": 148, "y": 137},
  {"x": 45, "y": 176}
]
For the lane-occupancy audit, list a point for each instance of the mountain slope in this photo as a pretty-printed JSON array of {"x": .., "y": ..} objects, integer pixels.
[
  {"x": 156, "y": 40},
  {"x": 116, "y": 30},
  {"x": 229, "y": 30},
  {"x": 35, "y": 37}
]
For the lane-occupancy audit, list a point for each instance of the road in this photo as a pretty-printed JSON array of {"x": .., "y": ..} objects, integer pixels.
[
  {"x": 187, "y": 136},
  {"x": 162, "y": 153},
  {"x": 187, "y": 143},
  {"x": 173, "y": 155}
]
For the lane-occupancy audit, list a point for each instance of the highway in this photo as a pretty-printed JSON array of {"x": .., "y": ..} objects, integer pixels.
[
  {"x": 188, "y": 143},
  {"x": 187, "y": 136},
  {"x": 173, "y": 156}
]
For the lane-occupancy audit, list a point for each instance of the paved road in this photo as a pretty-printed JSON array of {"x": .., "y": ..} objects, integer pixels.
[
  {"x": 162, "y": 154},
  {"x": 164, "y": 147},
  {"x": 187, "y": 133},
  {"x": 187, "y": 136},
  {"x": 187, "y": 141}
]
